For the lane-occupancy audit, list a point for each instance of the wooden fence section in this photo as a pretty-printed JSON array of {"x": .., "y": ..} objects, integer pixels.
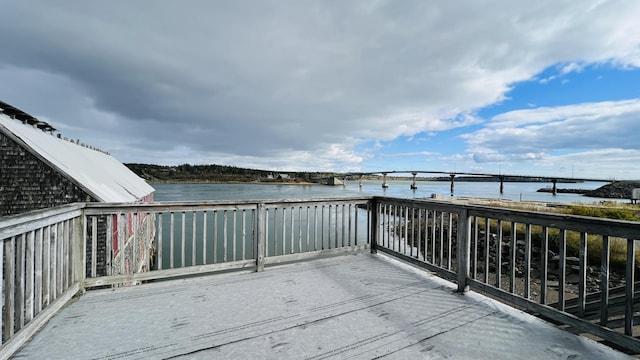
[
  {"x": 42, "y": 260},
  {"x": 161, "y": 240},
  {"x": 558, "y": 266}
]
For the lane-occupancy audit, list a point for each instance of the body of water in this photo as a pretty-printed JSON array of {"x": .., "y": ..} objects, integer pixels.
[{"x": 250, "y": 191}]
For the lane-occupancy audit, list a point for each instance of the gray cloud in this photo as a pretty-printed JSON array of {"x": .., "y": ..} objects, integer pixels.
[{"x": 297, "y": 84}]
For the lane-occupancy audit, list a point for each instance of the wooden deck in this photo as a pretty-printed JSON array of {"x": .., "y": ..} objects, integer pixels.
[{"x": 355, "y": 306}]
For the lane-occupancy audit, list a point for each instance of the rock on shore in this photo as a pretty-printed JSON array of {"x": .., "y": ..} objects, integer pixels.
[{"x": 615, "y": 190}]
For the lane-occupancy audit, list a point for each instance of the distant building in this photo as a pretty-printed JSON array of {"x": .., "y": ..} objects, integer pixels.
[
  {"x": 283, "y": 177},
  {"x": 41, "y": 170}
]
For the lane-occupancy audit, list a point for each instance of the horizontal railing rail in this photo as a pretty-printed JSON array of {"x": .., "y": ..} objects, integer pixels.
[{"x": 558, "y": 266}]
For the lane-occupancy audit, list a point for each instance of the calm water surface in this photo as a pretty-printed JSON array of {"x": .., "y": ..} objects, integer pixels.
[{"x": 512, "y": 191}]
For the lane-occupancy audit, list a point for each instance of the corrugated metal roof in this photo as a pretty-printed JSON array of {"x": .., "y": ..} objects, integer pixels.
[{"x": 98, "y": 173}]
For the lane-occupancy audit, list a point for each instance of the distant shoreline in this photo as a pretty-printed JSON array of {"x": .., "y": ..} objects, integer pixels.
[{"x": 173, "y": 181}]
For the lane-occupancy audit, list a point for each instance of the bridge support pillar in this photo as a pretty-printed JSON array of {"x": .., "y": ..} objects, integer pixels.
[
  {"x": 360, "y": 182},
  {"x": 554, "y": 190},
  {"x": 384, "y": 181},
  {"x": 452, "y": 183},
  {"x": 413, "y": 184},
  {"x": 501, "y": 184}
]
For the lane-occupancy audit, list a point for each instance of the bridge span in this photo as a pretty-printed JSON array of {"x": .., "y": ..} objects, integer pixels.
[{"x": 452, "y": 174}]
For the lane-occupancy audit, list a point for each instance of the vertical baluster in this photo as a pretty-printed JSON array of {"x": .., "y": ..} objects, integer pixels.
[
  {"x": 61, "y": 257},
  {"x": 629, "y": 287},
  {"x": 94, "y": 246},
  {"x": 582, "y": 289},
  {"x": 422, "y": 245},
  {"x": 20, "y": 280},
  {"x": 300, "y": 229},
  {"x": 194, "y": 245},
  {"x": 512, "y": 260},
  {"x": 148, "y": 221},
  {"x": 29, "y": 275},
  {"x": 604, "y": 282},
  {"x": 449, "y": 240},
  {"x": 350, "y": 212},
  {"x": 224, "y": 235},
  {"x": 544, "y": 259},
  {"x": 235, "y": 233},
  {"x": 441, "y": 239},
  {"x": 413, "y": 231},
  {"x": 46, "y": 266},
  {"x": 487, "y": 249},
  {"x": 434, "y": 220},
  {"x": 561, "y": 269},
  {"x": 215, "y": 236},
  {"x": 329, "y": 227},
  {"x": 9, "y": 287},
  {"x": 527, "y": 262},
  {"x": 204, "y": 237},
  {"x": 308, "y": 227},
  {"x": 405, "y": 239},
  {"x": 109, "y": 245},
  {"x": 159, "y": 250},
  {"x": 275, "y": 232},
  {"x": 284, "y": 230},
  {"x": 476, "y": 232},
  {"x": 343, "y": 224},
  {"x": 322, "y": 228},
  {"x": 392, "y": 225},
  {"x": 172, "y": 241},
  {"x": 38, "y": 270},
  {"x": 336, "y": 226},
  {"x": 499, "y": 256},
  {"x": 244, "y": 233},
  {"x": 386, "y": 223},
  {"x": 254, "y": 235},
  {"x": 292, "y": 230},
  {"x": 266, "y": 230},
  {"x": 315, "y": 228},
  {"x": 134, "y": 243},
  {"x": 183, "y": 240},
  {"x": 121, "y": 241},
  {"x": 261, "y": 219}
]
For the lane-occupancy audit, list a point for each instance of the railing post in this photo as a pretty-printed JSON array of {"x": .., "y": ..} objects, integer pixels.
[
  {"x": 79, "y": 250},
  {"x": 260, "y": 237},
  {"x": 629, "y": 287},
  {"x": 463, "y": 249},
  {"x": 375, "y": 226}
]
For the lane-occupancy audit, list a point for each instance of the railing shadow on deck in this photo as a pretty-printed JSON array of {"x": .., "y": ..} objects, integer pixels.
[{"x": 526, "y": 259}]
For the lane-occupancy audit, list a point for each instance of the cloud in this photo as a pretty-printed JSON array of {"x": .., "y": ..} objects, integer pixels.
[
  {"x": 609, "y": 124},
  {"x": 296, "y": 84}
]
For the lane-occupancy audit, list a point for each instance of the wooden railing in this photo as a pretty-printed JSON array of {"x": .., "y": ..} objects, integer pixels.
[
  {"x": 557, "y": 266},
  {"x": 161, "y": 240},
  {"x": 42, "y": 259}
]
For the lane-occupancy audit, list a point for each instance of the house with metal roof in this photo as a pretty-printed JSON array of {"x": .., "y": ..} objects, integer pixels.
[{"x": 39, "y": 169}]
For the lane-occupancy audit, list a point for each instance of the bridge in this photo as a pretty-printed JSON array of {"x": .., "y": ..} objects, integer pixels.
[{"x": 452, "y": 174}]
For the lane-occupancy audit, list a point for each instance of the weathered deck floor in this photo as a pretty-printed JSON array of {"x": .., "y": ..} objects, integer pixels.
[{"x": 356, "y": 307}]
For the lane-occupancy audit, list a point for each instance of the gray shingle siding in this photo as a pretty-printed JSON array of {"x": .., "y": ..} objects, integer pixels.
[{"x": 27, "y": 183}]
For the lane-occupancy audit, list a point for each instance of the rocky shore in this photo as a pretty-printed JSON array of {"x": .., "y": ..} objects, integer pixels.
[{"x": 615, "y": 190}]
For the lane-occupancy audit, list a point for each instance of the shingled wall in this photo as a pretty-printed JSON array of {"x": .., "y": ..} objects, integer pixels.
[{"x": 27, "y": 183}]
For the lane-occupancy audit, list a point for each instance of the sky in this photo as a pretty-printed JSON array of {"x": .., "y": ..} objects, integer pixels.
[{"x": 548, "y": 88}]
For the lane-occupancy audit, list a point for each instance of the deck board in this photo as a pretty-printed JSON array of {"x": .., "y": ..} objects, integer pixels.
[{"x": 357, "y": 306}]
